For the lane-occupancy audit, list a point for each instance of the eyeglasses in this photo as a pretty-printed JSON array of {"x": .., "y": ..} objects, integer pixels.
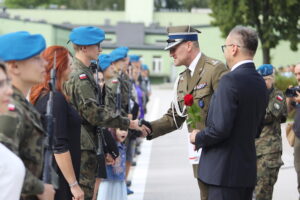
[
  {"x": 5, "y": 83},
  {"x": 225, "y": 45}
]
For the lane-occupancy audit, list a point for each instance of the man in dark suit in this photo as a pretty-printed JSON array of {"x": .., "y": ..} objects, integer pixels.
[{"x": 235, "y": 116}]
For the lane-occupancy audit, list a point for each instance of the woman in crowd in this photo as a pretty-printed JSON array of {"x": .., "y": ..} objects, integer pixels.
[
  {"x": 12, "y": 170},
  {"x": 67, "y": 123}
]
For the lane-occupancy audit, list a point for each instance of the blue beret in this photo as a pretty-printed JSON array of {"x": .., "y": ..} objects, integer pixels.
[
  {"x": 87, "y": 35},
  {"x": 20, "y": 45},
  {"x": 145, "y": 67},
  {"x": 134, "y": 58},
  {"x": 104, "y": 61},
  {"x": 265, "y": 69},
  {"x": 119, "y": 53}
]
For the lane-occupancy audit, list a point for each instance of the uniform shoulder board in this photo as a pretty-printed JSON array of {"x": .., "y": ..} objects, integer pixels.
[
  {"x": 214, "y": 62},
  {"x": 114, "y": 81},
  {"x": 279, "y": 98},
  {"x": 82, "y": 76},
  {"x": 11, "y": 107}
]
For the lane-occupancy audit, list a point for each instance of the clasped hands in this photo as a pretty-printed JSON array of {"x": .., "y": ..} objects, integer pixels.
[{"x": 141, "y": 125}]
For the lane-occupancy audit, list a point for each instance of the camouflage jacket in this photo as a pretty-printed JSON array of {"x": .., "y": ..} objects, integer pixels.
[
  {"x": 202, "y": 85},
  {"x": 22, "y": 125},
  {"x": 269, "y": 140},
  {"x": 82, "y": 90}
]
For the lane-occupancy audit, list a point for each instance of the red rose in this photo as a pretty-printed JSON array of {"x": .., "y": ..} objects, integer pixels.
[{"x": 188, "y": 100}]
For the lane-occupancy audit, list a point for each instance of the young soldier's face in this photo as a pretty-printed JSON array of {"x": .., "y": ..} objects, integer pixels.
[
  {"x": 32, "y": 71},
  {"x": 93, "y": 51}
]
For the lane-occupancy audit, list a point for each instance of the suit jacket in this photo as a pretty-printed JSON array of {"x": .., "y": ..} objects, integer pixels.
[
  {"x": 234, "y": 120},
  {"x": 201, "y": 85}
]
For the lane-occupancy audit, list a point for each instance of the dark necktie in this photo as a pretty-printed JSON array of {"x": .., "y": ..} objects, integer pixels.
[{"x": 188, "y": 76}]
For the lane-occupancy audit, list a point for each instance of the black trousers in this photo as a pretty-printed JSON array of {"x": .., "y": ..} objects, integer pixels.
[{"x": 229, "y": 193}]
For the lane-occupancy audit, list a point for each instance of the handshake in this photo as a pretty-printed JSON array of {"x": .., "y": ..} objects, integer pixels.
[{"x": 143, "y": 126}]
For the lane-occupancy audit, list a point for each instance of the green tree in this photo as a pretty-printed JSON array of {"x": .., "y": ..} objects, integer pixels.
[
  {"x": 189, "y": 4},
  {"x": 25, "y": 4},
  {"x": 274, "y": 20}
]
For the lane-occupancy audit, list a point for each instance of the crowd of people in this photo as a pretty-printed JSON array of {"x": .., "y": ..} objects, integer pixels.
[{"x": 70, "y": 125}]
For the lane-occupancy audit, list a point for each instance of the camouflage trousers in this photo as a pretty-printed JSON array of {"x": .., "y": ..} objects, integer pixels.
[
  {"x": 267, "y": 172},
  {"x": 88, "y": 169}
]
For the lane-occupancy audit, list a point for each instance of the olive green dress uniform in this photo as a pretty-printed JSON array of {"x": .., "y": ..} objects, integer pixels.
[
  {"x": 22, "y": 124},
  {"x": 269, "y": 145},
  {"x": 82, "y": 91},
  {"x": 201, "y": 85}
]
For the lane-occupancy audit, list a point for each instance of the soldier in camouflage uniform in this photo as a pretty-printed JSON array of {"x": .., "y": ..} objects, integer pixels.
[
  {"x": 22, "y": 124},
  {"x": 82, "y": 90},
  {"x": 120, "y": 62},
  {"x": 200, "y": 79},
  {"x": 269, "y": 144}
]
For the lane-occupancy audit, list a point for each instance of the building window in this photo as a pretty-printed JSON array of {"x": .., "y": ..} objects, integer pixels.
[{"x": 157, "y": 64}]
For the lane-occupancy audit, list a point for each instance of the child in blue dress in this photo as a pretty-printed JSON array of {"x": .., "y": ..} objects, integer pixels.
[{"x": 114, "y": 186}]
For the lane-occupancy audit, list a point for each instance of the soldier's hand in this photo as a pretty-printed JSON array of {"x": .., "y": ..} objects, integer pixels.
[
  {"x": 77, "y": 192},
  {"x": 48, "y": 193},
  {"x": 146, "y": 126},
  {"x": 297, "y": 98},
  {"x": 134, "y": 124},
  {"x": 193, "y": 136},
  {"x": 109, "y": 159}
]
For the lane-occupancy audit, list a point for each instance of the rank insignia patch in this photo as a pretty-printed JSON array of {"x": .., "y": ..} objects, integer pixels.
[{"x": 200, "y": 86}]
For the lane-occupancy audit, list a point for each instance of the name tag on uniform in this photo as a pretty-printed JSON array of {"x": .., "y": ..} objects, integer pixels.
[{"x": 200, "y": 86}]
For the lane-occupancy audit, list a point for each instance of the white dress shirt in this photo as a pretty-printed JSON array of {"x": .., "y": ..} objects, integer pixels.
[
  {"x": 12, "y": 173},
  {"x": 240, "y": 63},
  {"x": 193, "y": 65}
]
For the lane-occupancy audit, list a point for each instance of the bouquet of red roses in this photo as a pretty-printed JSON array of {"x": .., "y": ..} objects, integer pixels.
[{"x": 193, "y": 111}]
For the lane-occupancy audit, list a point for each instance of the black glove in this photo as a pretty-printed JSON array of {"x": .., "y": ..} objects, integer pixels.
[{"x": 148, "y": 124}]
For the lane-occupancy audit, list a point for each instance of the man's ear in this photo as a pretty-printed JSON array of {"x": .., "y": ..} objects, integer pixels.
[{"x": 234, "y": 50}]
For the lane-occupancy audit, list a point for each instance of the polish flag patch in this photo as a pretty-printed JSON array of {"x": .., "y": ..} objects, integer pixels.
[
  {"x": 82, "y": 76},
  {"x": 114, "y": 81},
  {"x": 279, "y": 98},
  {"x": 11, "y": 107}
]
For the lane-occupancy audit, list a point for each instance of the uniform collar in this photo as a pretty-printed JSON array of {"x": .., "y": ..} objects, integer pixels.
[
  {"x": 17, "y": 93},
  {"x": 78, "y": 64},
  {"x": 193, "y": 65}
]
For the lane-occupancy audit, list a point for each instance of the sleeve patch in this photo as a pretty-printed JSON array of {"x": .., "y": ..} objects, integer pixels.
[
  {"x": 11, "y": 107},
  {"x": 115, "y": 81},
  {"x": 278, "y": 97},
  {"x": 82, "y": 76}
]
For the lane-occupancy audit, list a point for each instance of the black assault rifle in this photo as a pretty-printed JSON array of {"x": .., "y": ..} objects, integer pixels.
[{"x": 49, "y": 174}]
